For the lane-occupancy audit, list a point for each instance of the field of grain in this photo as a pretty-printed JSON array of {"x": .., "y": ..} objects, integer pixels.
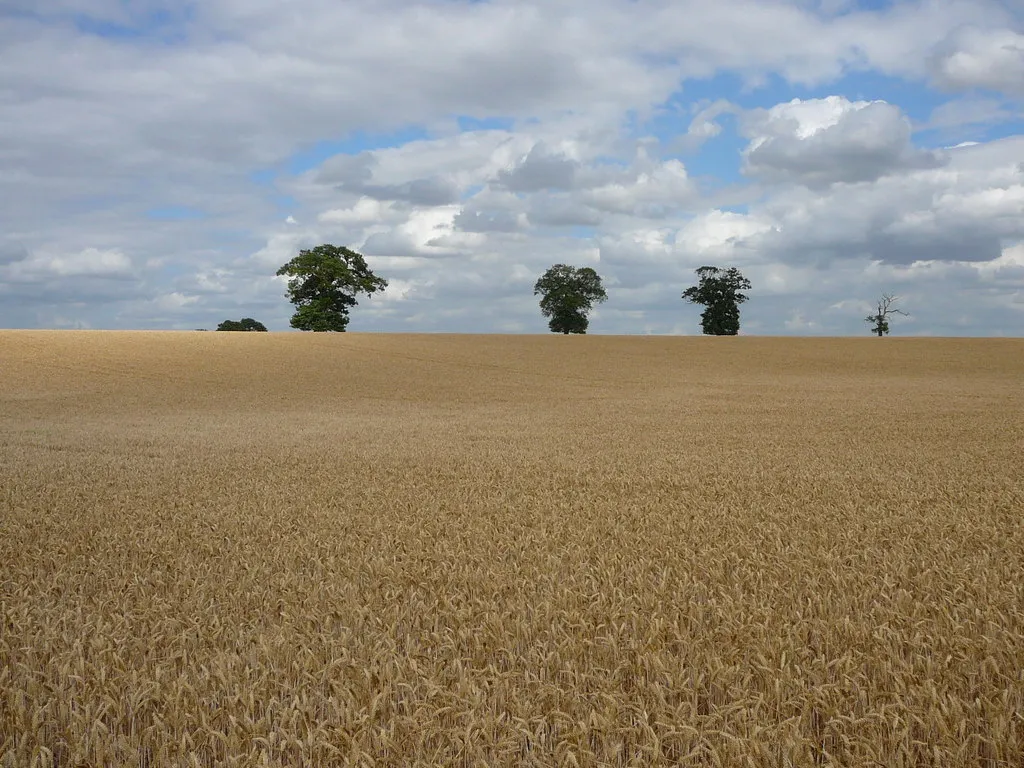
[{"x": 318, "y": 550}]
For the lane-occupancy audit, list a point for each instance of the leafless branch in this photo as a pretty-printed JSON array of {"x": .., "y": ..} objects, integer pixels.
[{"x": 885, "y": 306}]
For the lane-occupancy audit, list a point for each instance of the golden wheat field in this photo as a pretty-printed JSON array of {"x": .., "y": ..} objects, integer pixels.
[{"x": 413, "y": 550}]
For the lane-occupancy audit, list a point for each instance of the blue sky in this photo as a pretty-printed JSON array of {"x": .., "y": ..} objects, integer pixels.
[{"x": 832, "y": 150}]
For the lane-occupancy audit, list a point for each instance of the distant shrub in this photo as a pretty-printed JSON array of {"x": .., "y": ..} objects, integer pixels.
[{"x": 245, "y": 324}]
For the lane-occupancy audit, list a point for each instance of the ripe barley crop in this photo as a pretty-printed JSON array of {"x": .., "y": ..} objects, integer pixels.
[{"x": 317, "y": 550}]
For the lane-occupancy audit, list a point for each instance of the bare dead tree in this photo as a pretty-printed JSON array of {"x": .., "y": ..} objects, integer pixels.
[{"x": 880, "y": 320}]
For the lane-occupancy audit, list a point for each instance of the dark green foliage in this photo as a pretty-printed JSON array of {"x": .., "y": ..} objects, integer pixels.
[
  {"x": 567, "y": 296},
  {"x": 323, "y": 284},
  {"x": 245, "y": 324},
  {"x": 881, "y": 325},
  {"x": 719, "y": 291},
  {"x": 880, "y": 320}
]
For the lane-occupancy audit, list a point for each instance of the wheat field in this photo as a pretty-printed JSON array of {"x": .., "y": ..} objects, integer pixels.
[{"x": 229, "y": 549}]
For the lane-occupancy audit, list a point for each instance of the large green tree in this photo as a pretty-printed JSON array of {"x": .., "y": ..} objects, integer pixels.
[
  {"x": 567, "y": 296},
  {"x": 323, "y": 284},
  {"x": 245, "y": 324},
  {"x": 719, "y": 291}
]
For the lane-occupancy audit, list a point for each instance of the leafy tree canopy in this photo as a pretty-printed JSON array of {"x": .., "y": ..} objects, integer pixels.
[
  {"x": 323, "y": 285},
  {"x": 245, "y": 324},
  {"x": 719, "y": 291},
  {"x": 567, "y": 296}
]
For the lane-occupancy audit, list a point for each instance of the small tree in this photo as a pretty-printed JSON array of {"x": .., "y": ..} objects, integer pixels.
[
  {"x": 567, "y": 296},
  {"x": 323, "y": 285},
  {"x": 245, "y": 324},
  {"x": 719, "y": 292},
  {"x": 880, "y": 320}
]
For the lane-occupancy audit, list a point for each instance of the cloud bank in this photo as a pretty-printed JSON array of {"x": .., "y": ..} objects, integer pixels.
[{"x": 162, "y": 160}]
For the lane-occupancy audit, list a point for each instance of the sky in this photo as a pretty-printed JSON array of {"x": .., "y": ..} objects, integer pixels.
[{"x": 160, "y": 159}]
